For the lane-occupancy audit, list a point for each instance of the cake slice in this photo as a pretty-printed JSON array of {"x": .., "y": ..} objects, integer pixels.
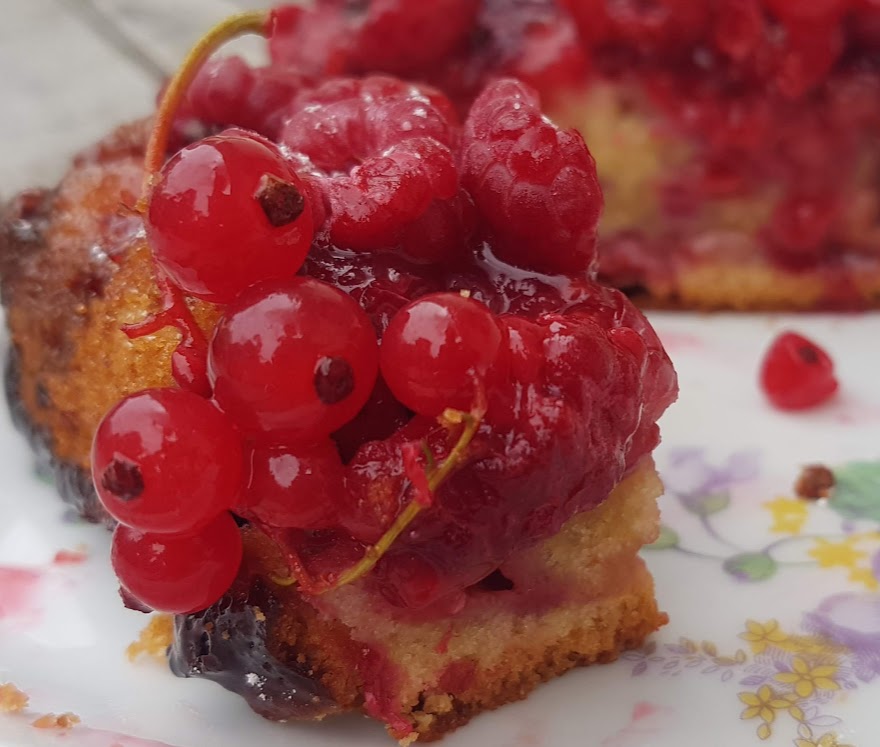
[
  {"x": 736, "y": 140},
  {"x": 422, "y": 529}
]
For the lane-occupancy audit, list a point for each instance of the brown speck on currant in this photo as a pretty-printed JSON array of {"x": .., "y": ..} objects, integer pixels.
[
  {"x": 334, "y": 380},
  {"x": 123, "y": 479},
  {"x": 281, "y": 201}
]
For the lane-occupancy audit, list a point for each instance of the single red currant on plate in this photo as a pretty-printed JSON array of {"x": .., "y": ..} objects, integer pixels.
[{"x": 797, "y": 374}]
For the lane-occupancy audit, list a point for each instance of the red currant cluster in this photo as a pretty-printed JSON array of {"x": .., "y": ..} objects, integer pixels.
[{"x": 509, "y": 391}]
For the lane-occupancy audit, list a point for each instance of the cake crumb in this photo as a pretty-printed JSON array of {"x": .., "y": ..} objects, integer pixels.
[
  {"x": 153, "y": 640},
  {"x": 814, "y": 482},
  {"x": 51, "y": 721},
  {"x": 258, "y": 615},
  {"x": 12, "y": 700}
]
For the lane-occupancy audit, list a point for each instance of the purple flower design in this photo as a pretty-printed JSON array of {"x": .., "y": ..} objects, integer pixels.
[
  {"x": 703, "y": 488},
  {"x": 851, "y": 620},
  {"x": 688, "y": 473}
]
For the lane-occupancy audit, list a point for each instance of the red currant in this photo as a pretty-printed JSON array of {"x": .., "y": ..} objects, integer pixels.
[
  {"x": 227, "y": 212},
  {"x": 297, "y": 358},
  {"x": 796, "y": 373},
  {"x": 179, "y": 573},
  {"x": 295, "y": 486},
  {"x": 166, "y": 460},
  {"x": 437, "y": 352}
]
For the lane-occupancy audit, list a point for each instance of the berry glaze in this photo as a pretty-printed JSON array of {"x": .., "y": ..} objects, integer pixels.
[
  {"x": 442, "y": 383},
  {"x": 724, "y": 130}
]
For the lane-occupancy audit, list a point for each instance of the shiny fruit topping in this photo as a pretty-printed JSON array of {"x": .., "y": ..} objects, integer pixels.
[
  {"x": 178, "y": 573},
  {"x": 534, "y": 184},
  {"x": 166, "y": 461},
  {"x": 294, "y": 359},
  {"x": 291, "y": 486},
  {"x": 227, "y": 212},
  {"x": 438, "y": 351},
  {"x": 797, "y": 374}
]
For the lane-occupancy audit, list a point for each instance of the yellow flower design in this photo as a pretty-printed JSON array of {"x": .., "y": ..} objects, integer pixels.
[
  {"x": 789, "y": 515},
  {"x": 762, "y": 635},
  {"x": 831, "y": 554},
  {"x": 807, "y": 680},
  {"x": 806, "y": 739},
  {"x": 763, "y": 704},
  {"x": 864, "y": 576}
]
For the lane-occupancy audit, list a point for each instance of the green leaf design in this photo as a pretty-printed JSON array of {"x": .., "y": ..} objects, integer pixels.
[
  {"x": 707, "y": 503},
  {"x": 856, "y": 492},
  {"x": 751, "y": 566},
  {"x": 666, "y": 541}
]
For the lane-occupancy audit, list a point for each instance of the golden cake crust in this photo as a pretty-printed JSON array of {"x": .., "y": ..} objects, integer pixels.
[{"x": 448, "y": 670}]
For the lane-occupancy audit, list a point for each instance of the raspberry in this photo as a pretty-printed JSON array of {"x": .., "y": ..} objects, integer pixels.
[
  {"x": 400, "y": 36},
  {"x": 739, "y": 27},
  {"x": 227, "y": 91},
  {"x": 226, "y": 212},
  {"x": 534, "y": 184},
  {"x": 166, "y": 460},
  {"x": 809, "y": 54},
  {"x": 653, "y": 27},
  {"x": 797, "y": 374},
  {"x": 314, "y": 40},
  {"x": 384, "y": 148}
]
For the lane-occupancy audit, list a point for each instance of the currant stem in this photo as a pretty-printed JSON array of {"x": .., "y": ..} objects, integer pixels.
[
  {"x": 436, "y": 477},
  {"x": 252, "y": 22}
]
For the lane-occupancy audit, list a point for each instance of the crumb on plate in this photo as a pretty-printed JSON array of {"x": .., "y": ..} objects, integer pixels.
[
  {"x": 12, "y": 700},
  {"x": 153, "y": 640},
  {"x": 51, "y": 721}
]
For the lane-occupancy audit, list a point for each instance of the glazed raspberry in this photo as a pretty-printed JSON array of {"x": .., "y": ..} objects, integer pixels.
[
  {"x": 438, "y": 351},
  {"x": 315, "y": 40},
  {"x": 294, "y": 486},
  {"x": 227, "y": 91},
  {"x": 796, "y": 373},
  {"x": 807, "y": 58},
  {"x": 227, "y": 212},
  {"x": 178, "y": 573},
  {"x": 400, "y": 36},
  {"x": 656, "y": 26},
  {"x": 739, "y": 27},
  {"x": 296, "y": 359},
  {"x": 385, "y": 149},
  {"x": 534, "y": 184},
  {"x": 166, "y": 460}
]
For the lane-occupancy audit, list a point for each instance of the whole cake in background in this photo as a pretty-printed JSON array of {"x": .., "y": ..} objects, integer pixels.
[
  {"x": 737, "y": 140},
  {"x": 336, "y": 360}
]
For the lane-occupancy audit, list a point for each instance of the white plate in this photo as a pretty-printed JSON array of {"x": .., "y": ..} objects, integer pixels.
[{"x": 775, "y": 615}]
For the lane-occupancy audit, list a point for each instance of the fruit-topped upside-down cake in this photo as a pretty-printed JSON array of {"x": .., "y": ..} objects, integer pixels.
[
  {"x": 736, "y": 140},
  {"x": 349, "y": 390}
]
